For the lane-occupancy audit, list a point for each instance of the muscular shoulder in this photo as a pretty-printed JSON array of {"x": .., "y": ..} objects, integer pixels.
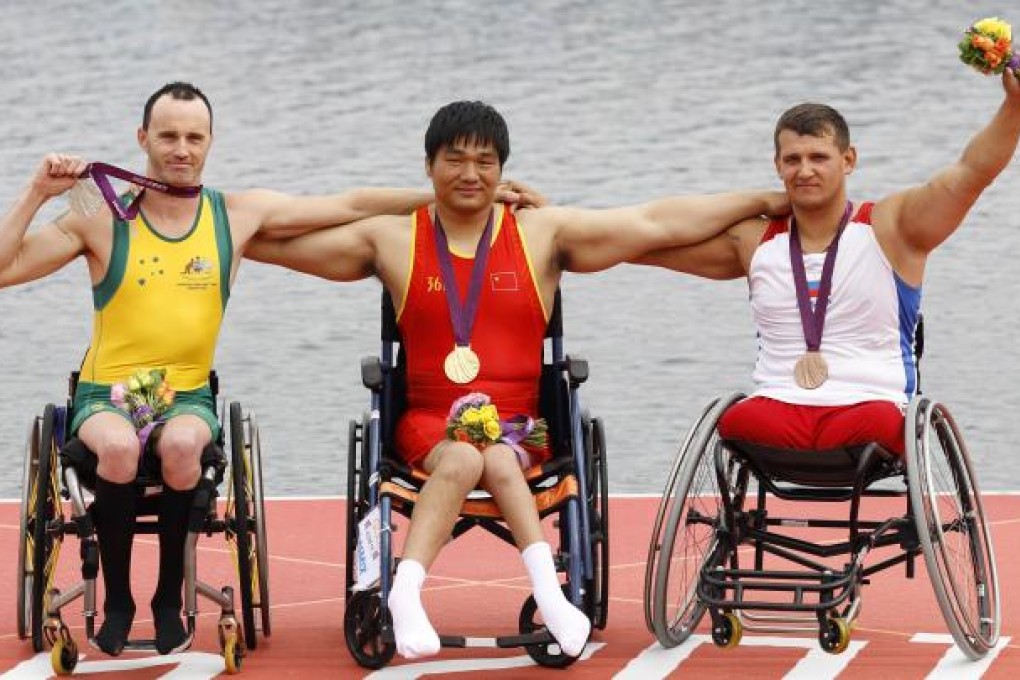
[{"x": 747, "y": 235}]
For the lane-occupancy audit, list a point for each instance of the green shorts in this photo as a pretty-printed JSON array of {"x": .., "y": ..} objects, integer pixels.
[{"x": 92, "y": 398}]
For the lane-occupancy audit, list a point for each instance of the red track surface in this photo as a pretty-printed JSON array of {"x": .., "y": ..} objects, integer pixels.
[{"x": 477, "y": 587}]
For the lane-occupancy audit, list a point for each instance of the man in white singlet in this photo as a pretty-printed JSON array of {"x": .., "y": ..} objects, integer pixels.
[{"x": 850, "y": 384}]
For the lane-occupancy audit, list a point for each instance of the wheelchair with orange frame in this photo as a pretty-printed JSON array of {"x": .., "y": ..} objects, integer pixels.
[
  {"x": 59, "y": 475},
  {"x": 571, "y": 486}
]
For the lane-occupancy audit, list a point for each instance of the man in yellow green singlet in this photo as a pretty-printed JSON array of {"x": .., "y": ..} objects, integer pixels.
[{"x": 169, "y": 267}]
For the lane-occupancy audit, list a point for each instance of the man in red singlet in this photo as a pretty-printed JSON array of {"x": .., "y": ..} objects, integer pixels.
[
  {"x": 473, "y": 284},
  {"x": 845, "y": 380}
]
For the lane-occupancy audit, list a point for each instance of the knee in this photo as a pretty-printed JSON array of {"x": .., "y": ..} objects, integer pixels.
[
  {"x": 118, "y": 454},
  {"x": 180, "y": 451},
  {"x": 462, "y": 465},
  {"x": 502, "y": 469}
]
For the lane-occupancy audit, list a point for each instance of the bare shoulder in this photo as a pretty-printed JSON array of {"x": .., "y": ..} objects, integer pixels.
[{"x": 746, "y": 236}]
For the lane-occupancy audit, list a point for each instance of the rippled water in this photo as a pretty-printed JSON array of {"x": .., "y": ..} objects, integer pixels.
[{"x": 608, "y": 104}]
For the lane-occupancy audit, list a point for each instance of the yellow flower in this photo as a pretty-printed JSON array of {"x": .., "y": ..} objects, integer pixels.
[
  {"x": 133, "y": 384},
  {"x": 995, "y": 27},
  {"x": 471, "y": 416},
  {"x": 489, "y": 412},
  {"x": 492, "y": 429}
]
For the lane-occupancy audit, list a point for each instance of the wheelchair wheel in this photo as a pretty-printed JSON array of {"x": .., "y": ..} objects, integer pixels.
[
  {"x": 951, "y": 527},
  {"x": 597, "y": 592},
  {"x": 363, "y": 623},
  {"x": 689, "y": 539},
  {"x": 665, "y": 505},
  {"x": 43, "y": 506},
  {"x": 546, "y": 654},
  {"x": 249, "y": 523},
  {"x": 25, "y": 533}
]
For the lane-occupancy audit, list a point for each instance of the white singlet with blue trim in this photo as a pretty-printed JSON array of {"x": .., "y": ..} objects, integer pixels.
[{"x": 868, "y": 338}]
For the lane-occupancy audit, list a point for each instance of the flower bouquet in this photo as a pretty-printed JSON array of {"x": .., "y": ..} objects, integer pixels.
[
  {"x": 146, "y": 397},
  {"x": 474, "y": 419},
  {"x": 987, "y": 46}
]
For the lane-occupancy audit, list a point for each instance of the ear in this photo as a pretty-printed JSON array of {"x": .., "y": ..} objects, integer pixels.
[
  {"x": 428, "y": 168},
  {"x": 142, "y": 136},
  {"x": 849, "y": 160},
  {"x": 775, "y": 162}
]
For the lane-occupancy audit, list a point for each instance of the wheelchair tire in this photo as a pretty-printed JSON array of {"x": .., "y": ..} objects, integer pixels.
[
  {"x": 261, "y": 535},
  {"x": 355, "y": 436},
  {"x": 665, "y": 504},
  {"x": 952, "y": 528},
  {"x": 25, "y": 534},
  {"x": 695, "y": 480},
  {"x": 241, "y": 471},
  {"x": 597, "y": 591},
  {"x": 363, "y": 624},
  {"x": 546, "y": 654},
  {"x": 45, "y": 502}
]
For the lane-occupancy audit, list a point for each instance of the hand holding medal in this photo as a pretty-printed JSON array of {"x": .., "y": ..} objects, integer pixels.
[
  {"x": 987, "y": 46},
  {"x": 93, "y": 189}
]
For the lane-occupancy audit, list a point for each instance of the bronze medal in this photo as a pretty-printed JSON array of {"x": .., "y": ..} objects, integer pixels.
[
  {"x": 462, "y": 365},
  {"x": 811, "y": 371}
]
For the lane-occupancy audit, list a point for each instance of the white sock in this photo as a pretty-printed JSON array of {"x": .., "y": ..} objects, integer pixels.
[
  {"x": 566, "y": 622},
  {"x": 414, "y": 634}
]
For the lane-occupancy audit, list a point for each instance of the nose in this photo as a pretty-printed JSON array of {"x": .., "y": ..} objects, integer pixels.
[{"x": 469, "y": 171}]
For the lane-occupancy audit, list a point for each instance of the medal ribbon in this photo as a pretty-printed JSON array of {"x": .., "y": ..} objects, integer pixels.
[
  {"x": 462, "y": 316},
  {"x": 813, "y": 321},
  {"x": 101, "y": 173}
]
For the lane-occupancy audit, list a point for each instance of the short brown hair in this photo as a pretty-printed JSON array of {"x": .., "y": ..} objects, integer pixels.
[{"x": 816, "y": 120}]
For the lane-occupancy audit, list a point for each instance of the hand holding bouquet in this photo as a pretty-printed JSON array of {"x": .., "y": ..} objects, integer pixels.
[
  {"x": 146, "y": 397},
  {"x": 987, "y": 46},
  {"x": 474, "y": 419}
]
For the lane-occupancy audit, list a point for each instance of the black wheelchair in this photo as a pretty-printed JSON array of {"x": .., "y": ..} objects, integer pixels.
[
  {"x": 572, "y": 486},
  {"x": 707, "y": 521},
  {"x": 59, "y": 473}
]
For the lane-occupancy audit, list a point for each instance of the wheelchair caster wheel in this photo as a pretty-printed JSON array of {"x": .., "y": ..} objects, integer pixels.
[
  {"x": 64, "y": 657},
  {"x": 233, "y": 655},
  {"x": 545, "y": 654},
  {"x": 834, "y": 635},
  {"x": 728, "y": 631},
  {"x": 363, "y": 630}
]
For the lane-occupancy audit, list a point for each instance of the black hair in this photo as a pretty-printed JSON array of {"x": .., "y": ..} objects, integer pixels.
[{"x": 471, "y": 122}]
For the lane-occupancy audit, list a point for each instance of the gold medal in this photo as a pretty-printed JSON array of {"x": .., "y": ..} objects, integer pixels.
[
  {"x": 462, "y": 365},
  {"x": 811, "y": 371}
]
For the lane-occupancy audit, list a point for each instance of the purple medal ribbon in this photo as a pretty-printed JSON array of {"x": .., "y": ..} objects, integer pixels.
[
  {"x": 101, "y": 172},
  {"x": 463, "y": 317},
  {"x": 814, "y": 321},
  {"x": 515, "y": 431}
]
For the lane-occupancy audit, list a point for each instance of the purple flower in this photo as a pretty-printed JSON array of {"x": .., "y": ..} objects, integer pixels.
[{"x": 117, "y": 395}]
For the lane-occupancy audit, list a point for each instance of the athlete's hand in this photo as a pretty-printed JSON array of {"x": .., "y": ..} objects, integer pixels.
[
  {"x": 56, "y": 174},
  {"x": 777, "y": 203},
  {"x": 1011, "y": 83},
  {"x": 519, "y": 195}
]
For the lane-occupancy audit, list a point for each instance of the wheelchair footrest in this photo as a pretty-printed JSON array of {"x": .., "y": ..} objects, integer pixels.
[{"x": 539, "y": 637}]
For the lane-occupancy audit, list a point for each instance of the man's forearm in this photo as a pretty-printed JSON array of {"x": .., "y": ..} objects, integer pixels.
[
  {"x": 692, "y": 219},
  {"x": 372, "y": 202},
  {"x": 990, "y": 150}
]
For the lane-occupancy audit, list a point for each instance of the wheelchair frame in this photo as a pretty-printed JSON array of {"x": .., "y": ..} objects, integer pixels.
[
  {"x": 51, "y": 479},
  {"x": 577, "y": 471},
  {"x": 715, "y": 475}
]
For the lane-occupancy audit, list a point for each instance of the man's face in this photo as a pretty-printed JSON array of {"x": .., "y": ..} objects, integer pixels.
[
  {"x": 465, "y": 176},
  {"x": 813, "y": 169},
  {"x": 177, "y": 140}
]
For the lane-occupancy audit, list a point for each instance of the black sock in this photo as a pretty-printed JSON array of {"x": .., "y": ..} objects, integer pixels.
[
  {"x": 113, "y": 512},
  {"x": 174, "y": 510}
]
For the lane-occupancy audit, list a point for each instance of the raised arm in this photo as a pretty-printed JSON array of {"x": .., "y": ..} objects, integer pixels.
[
  {"x": 592, "y": 240},
  {"x": 923, "y": 217},
  {"x": 26, "y": 258}
]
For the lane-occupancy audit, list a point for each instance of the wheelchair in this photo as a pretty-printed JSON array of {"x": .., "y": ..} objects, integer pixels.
[
  {"x": 59, "y": 473},
  {"x": 714, "y": 512},
  {"x": 572, "y": 486}
]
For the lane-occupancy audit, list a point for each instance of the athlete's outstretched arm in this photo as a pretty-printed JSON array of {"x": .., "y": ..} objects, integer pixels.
[
  {"x": 26, "y": 258},
  {"x": 344, "y": 253},
  {"x": 721, "y": 257},
  {"x": 925, "y": 216},
  {"x": 592, "y": 240}
]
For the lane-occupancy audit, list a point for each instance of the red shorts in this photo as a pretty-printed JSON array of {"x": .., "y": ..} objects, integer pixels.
[
  {"x": 419, "y": 431},
  {"x": 769, "y": 422}
]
